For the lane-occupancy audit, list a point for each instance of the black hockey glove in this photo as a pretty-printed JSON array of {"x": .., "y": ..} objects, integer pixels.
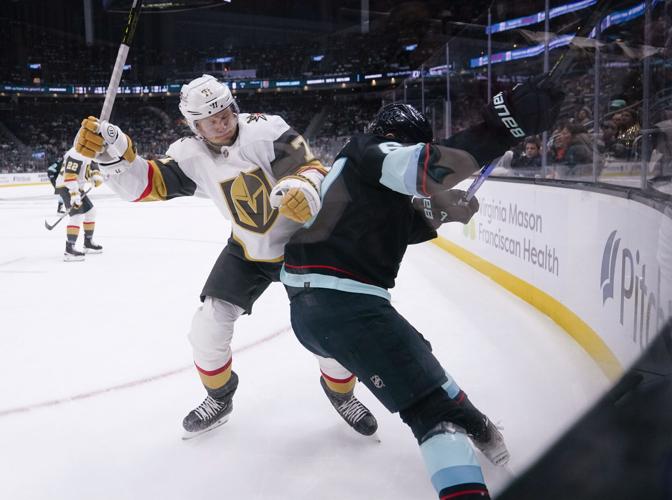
[
  {"x": 528, "y": 109},
  {"x": 447, "y": 206}
]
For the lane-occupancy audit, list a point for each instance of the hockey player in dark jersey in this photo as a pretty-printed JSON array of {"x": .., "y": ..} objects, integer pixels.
[
  {"x": 53, "y": 170},
  {"x": 339, "y": 266},
  {"x": 235, "y": 159}
]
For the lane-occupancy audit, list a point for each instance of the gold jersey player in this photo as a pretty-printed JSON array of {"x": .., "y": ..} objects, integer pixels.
[{"x": 261, "y": 175}]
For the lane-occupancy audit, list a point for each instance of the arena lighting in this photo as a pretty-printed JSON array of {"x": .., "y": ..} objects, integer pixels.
[
  {"x": 225, "y": 59},
  {"x": 538, "y": 17},
  {"x": 513, "y": 55},
  {"x": 613, "y": 19},
  {"x": 411, "y": 47},
  {"x": 317, "y": 58},
  {"x": 35, "y": 66}
]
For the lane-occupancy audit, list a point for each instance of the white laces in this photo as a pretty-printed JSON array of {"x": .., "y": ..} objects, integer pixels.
[
  {"x": 352, "y": 410},
  {"x": 208, "y": 408}
]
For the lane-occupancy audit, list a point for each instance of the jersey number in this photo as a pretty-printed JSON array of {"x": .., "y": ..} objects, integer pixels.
[{"x": 73, "y": 165}]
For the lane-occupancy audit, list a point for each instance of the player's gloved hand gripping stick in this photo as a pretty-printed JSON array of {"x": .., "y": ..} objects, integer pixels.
[
  {"x": 73, "y": 159},
  {"x": 508, "y": 108}
]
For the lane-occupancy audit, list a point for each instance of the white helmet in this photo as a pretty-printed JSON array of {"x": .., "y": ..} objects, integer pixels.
[{"x": 204, "y": 97}]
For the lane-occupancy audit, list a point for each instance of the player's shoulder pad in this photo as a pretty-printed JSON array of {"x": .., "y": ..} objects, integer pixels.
[
  {"x": 185, "y": 148},
  {"x": 254, "y": 127},
  {"x": 360, "y": 143}
]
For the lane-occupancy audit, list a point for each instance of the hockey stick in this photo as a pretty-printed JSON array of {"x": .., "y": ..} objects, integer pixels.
[
  {"x": 72, "y": 157},
  {"x": 72, "y": 209},
  {"x": 553, "y": 77}
]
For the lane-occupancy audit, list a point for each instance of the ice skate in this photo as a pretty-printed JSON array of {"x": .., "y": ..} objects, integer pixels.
[
  {"x": 214, "y": 411},
  {"x": 91, "y": 247},
  {"x": 210, "y": 414},
  {"x": 352, "y": 410},
  {"x": 492, "y": 444},
  {"x": 72, "y": 255}
]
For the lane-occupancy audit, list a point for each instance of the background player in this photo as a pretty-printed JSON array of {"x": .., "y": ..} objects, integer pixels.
[
  {"x": 71, "y": 184},
  {"x": 53, "y": 170}
]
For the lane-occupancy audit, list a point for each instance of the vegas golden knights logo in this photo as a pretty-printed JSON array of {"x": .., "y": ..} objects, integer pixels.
[{"x": 248, "y": 198}]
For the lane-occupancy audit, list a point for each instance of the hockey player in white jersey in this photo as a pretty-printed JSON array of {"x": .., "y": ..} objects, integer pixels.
[
  {"x": 263, "y": 178},
  {"x": 71, "y": 185}
]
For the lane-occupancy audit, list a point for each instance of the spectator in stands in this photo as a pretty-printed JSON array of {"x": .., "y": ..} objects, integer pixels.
[
  {"x": 570, "y": 147},
  {"x": 628, "y": 131},
  {"x": 531, "y": 157},
  {"x": 583, "y": 117},
  {"x": 608, "y": 145}
]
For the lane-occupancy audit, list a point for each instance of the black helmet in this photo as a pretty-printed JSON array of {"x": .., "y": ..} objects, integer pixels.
[{"x": 403, "y": 121}]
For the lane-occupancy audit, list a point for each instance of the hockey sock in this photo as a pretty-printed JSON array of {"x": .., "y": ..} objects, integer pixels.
[
  {"x": 72, "y": 234},
  {"x": 340, "y": 386},
  {"x": 89, "y": 227},
  {"x": 452, "y": 465},
  {"x": 215, "y": 380}
]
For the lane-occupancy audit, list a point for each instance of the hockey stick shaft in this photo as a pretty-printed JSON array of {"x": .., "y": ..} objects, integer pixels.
[
  {"x": 52, "y": 226},
  {"x": 553, "y": 77},
  {"x": 112, "y": 88},
  {"x": 126, "y": 39},
  {"x": 566, "y": 59},
  {"x": 478, "y": 181}
]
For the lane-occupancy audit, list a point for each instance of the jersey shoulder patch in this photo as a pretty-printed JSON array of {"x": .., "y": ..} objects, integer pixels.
[{"x": 255, "y": 117}]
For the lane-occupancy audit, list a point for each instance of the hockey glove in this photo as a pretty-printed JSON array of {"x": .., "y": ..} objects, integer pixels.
[
  {"x": 296, "y": 197},
  {"x": 528, "y": 109},
  {"x": 88, "y": 143},
  {"x": 75, "y": 199},
  {"x": 96, "y": 178},
  {"x": 118, "y": 144},
  {"x": 447, "y": 206}
]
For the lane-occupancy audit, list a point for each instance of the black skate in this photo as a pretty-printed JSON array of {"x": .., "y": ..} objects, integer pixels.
[
  {"x": 491, "y": 444},
  {"x": 210, "y": 414},
  {"x": 214, "y": 411},
  {"x": 484, "y": 434},
  {"x": 352, "y": 410},
  {"x": 91, "y": 247},
  {"x": 60, "y": 209},
  {"x": 72, "y": 255}
]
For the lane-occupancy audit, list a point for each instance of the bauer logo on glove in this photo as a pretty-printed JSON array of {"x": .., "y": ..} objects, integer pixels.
[
  {"x": 296, "y": 197},
  {"x": 98, "y": 137}
]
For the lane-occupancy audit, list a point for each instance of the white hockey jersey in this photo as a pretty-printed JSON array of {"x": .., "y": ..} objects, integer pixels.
[
  {"x": 238, "y": 179},
  {"x": 74, "y": 173}
]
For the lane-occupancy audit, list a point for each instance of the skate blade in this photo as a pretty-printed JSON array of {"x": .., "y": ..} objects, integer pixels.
[
  {"x": 73, "y": 258},
  {"x": 91, "y": 250},
  {"x": 374, "y": 437},
  {"x": 191, "y": 435}
]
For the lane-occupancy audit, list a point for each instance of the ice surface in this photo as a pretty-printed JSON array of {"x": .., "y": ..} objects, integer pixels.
[{"x": 96, "y": 372}]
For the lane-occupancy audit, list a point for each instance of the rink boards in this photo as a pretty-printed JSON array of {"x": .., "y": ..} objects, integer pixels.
[{"x": 598, "y": 264}]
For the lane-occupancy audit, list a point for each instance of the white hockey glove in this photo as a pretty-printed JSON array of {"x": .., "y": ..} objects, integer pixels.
[
  {"x": 75, "y": 199},
  {"x": 297, "y": 197},
  {"x": 96, "y": 137},
  {"x": 97, "y": 178}
]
